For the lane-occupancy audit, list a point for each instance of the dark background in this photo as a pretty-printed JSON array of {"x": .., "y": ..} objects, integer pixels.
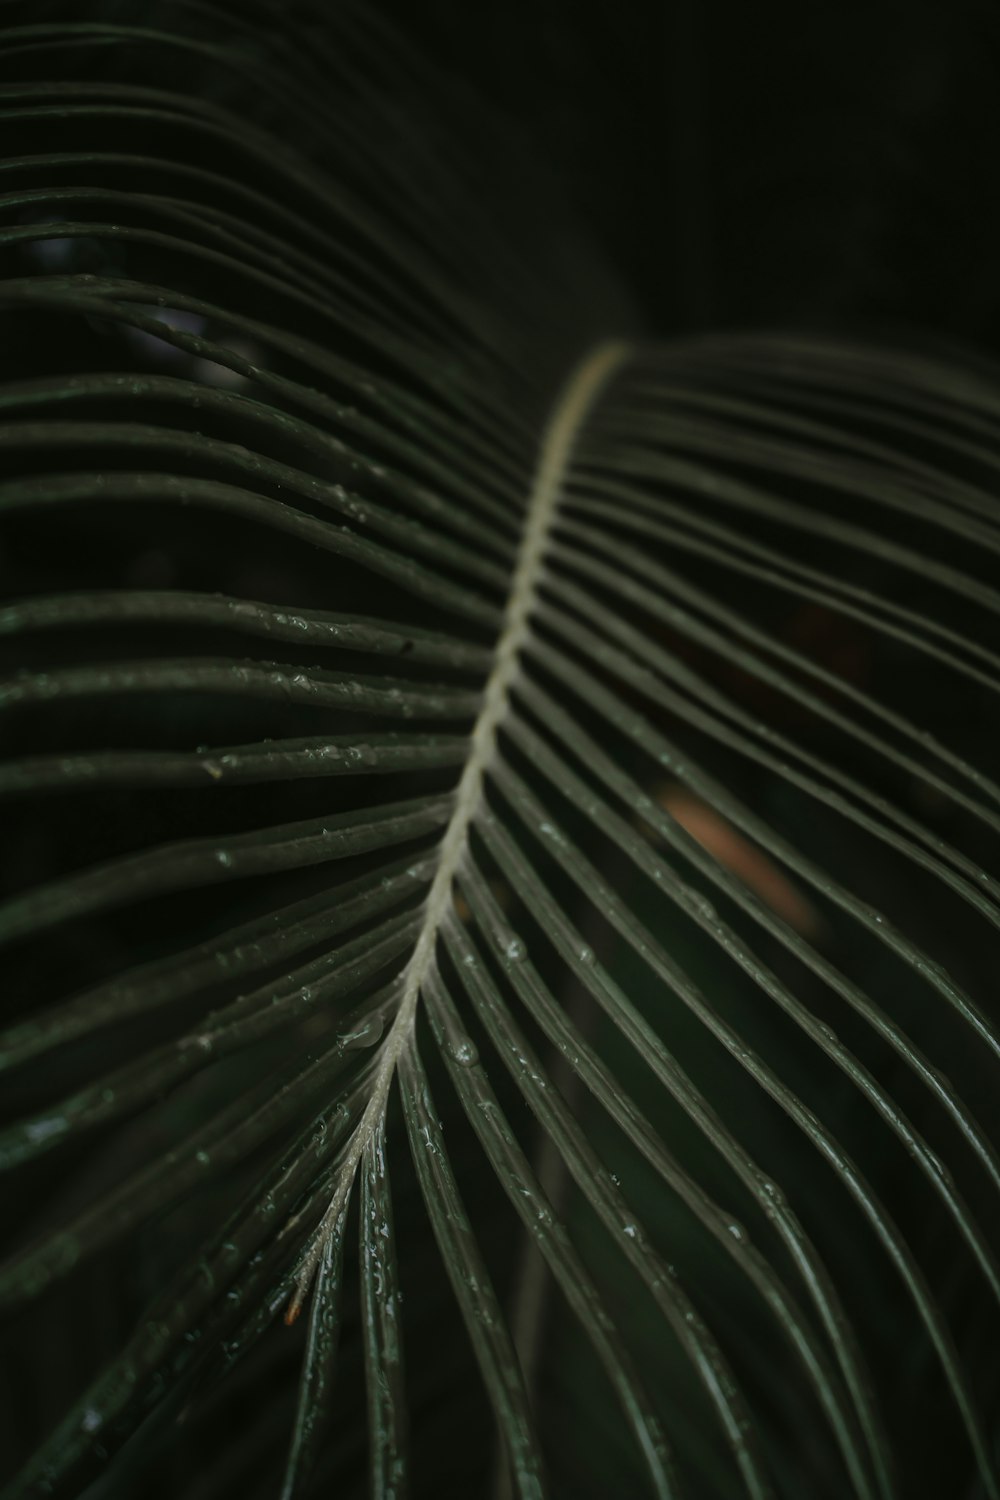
[{"x": 827, "y": 164}]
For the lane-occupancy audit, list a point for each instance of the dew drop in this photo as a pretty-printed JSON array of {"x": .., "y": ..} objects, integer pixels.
[
  {"x": 464, "y": 1052},
  {"x": 366, "y": 1035},
  {"x": 772, "y": 1191}
]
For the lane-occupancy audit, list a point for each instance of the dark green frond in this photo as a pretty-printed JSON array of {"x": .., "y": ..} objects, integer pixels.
[{"x": 499, "y": 876}]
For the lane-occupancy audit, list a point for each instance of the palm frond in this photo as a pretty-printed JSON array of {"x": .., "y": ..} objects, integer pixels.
[{"x": 589, "y": 906}]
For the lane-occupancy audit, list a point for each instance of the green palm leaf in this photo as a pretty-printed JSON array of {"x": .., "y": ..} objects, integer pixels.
[{"x": 466, "y": 789}]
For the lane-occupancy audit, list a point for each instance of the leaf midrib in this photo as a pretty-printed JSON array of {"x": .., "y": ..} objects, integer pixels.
[{"x": 582, "y": 389}]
